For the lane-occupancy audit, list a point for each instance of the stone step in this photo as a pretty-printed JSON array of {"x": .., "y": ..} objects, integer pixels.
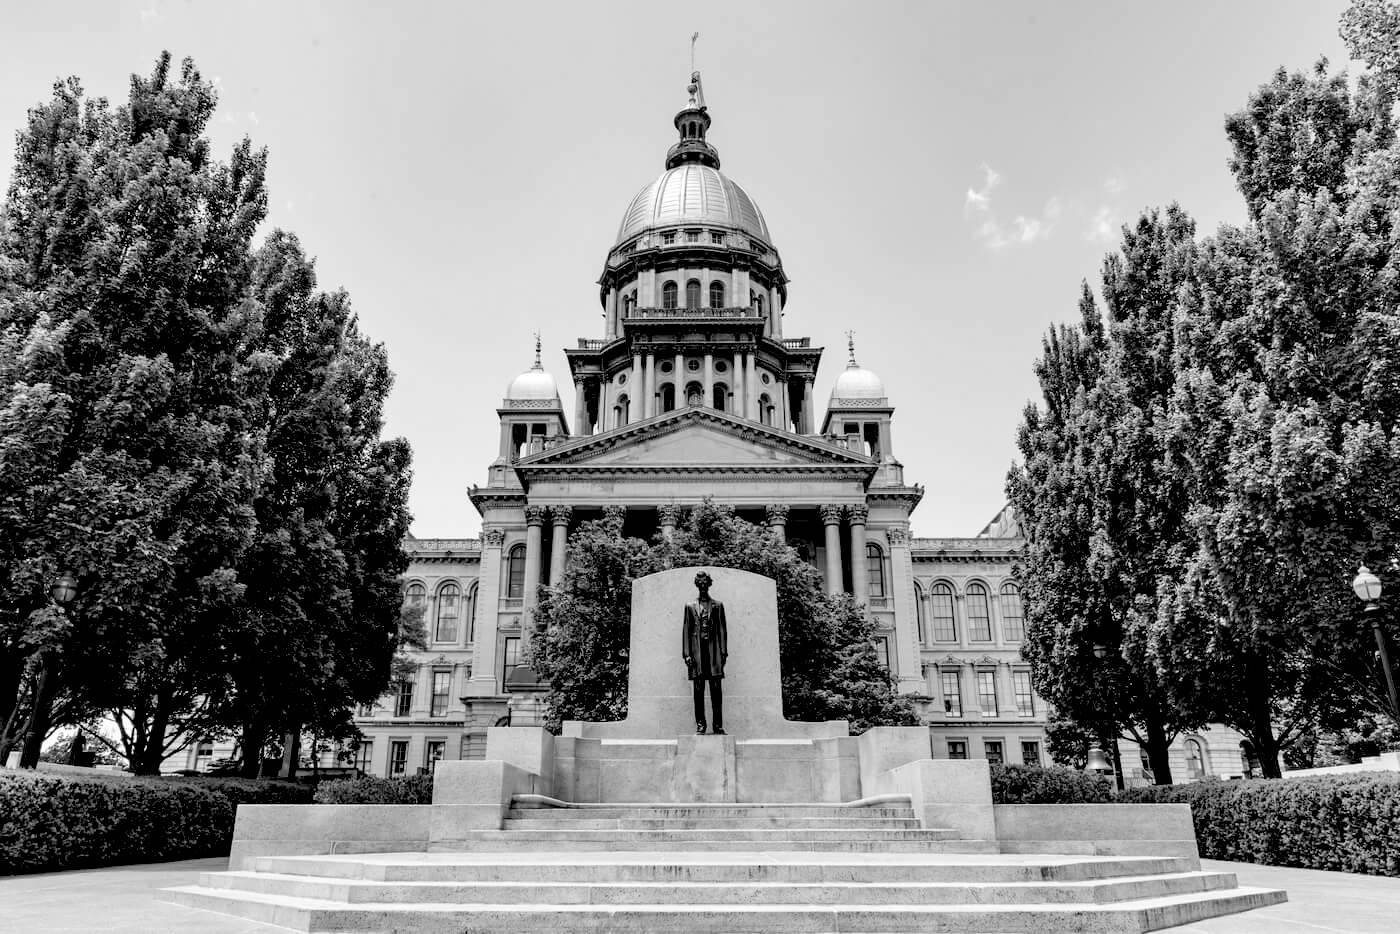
[
  {"x": 721, "y": 893},
  {"x": 663, "y": 842},
  {"x": 718, "y": 811},
  {"x": 763, "y": 866},
  {"x": 713, "y": 823},
  {"x": 1130, "y": 917},
  {"x": 680, "y": 838}
]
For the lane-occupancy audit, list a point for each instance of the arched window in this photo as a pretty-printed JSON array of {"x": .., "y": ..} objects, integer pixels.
[
  {"x": 1195, "y": 759},
  {"x": 979, "y": 614},
  {"x": 620, "y": 411},
  {"x": 669, "y": 292},
  {"x": 919, "y": 614},
  {"x": 449, "y": 597},
  {"x": 765, "y": 409},
  {"x": 716, "y": 294},
  {"x": 692, "y": 294},
  {"x": 694, "y": 394},
  {"x": 668, "y": 397},
  {"x": 875, "y": 570},
  {"x": 515, "y": 572},
  {"x": 1012, "y": 628},
  {"x": 721, "y": 396},
  {"x": 415, "y": 594},
  {"x": 758, "y": 305},
  {"x": 945, "y": 627}
]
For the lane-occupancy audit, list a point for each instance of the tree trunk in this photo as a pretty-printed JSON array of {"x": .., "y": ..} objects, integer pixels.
[
  {"x": 291, "y": 755},
  {"x": 44, "y": 694},
  {"x": 11, "y": 679},
  {"x": 152, "y": 754},
  {"x": 251, "y": 739},
  {"x": 1117, "y": 765},
  {"x": 1260, "y": 728},
  {"x": 1158, "y": 748}
]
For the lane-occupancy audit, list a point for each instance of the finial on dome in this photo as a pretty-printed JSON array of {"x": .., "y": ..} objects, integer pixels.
[
  {"x": 538, "y": 365},
  {"x": 851, "y": 350},
  {"x": 693, "y": 123}
]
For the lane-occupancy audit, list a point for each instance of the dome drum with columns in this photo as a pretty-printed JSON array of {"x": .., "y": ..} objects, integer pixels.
[{"x": 694, "y": 391}]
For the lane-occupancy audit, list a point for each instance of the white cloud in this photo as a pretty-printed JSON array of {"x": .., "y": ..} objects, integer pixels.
[
  {"x": 1102, "y": 226},
  {"x": 1022, "y": 229}
]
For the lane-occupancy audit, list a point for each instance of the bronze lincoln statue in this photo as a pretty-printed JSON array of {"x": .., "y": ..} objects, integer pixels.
[{"x": 705, "y": 646}]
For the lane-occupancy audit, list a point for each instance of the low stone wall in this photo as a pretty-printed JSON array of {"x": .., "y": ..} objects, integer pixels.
[
  {"x": 1096, "y": 829},
  {"x": 319, "y": 829},
  {"x": 1385, "y": 762}
]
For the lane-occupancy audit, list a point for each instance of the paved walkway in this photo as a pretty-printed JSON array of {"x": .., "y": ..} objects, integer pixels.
[{"x": 121, "y": 900}]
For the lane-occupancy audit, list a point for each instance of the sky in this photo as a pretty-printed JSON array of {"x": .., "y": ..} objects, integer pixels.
[{"x": 938, "y": 177}]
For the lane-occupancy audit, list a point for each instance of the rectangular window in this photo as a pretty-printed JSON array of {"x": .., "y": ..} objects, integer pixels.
[
  {"x": 875, "y": 571},
  {"x": 987, "y": 692},
  {"x": 1030, "y": 753},
  {"x": 668, "y": 238},
  {"x": 944, "y": 629},
  {"x": 364, "y": 755},
  {"x": 952, "y": 693},
  {"x": 510, "y": 657},
  {"x": 398, "y": 757},
  {"x": 1012, "y": 627},
  {"x": 433, "y": 753},
  {"x": 882, "y": 649},
  {"x": 403, "y": 704},
  {"x": 442, "y": 688},
  {"x": 1025, "y": 698},
  {"x": 957, "y": 749},
  {"x": 716, "y": 237},
  {"x": 979, "y": 617},
  {"x": 692, "y": 236},
  {"x": 993, "y": 749},
  {"x": 204, "y": 749}
]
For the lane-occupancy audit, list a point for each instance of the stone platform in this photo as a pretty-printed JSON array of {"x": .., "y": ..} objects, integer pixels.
[{"x": 720, "y": 868}]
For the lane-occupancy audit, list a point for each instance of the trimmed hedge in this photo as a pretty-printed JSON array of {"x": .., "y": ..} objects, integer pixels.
[
  {"x": 52, "y": 820},
  {"x": 416, "y": 789},
  {"x": 1030, "y": 784},
  {"x": 1348, "y": 823}
]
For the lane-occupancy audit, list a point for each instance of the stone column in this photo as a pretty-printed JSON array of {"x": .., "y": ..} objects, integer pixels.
[
  {"x": 559, "y": 516},
  {"x": 809, "y": 424},
  {"x": 776, "y": 320},
  {"x": 678, "y": 377},
  {"x": 908, "y": 662},
  {"x": 604, "y": 405},
  {"x": 636, "y": 405},
  {"x": 488, "y": 597},
  {"x": 860, "y": 580},
  {"x": 831, "y": 519},
  {"x": 777, "y": 515},
  {"x": 650, "y": 381},
  {"x": 737, "y": 385},
  {"x": 669, "y": 514},
  {"x": 709, "y": 379},
  {"x": 534, "y": 535},
  {"x": 580, "y": 408},
  {"x": 610, "y": 314},
  {"x": 751, "y": 383}
]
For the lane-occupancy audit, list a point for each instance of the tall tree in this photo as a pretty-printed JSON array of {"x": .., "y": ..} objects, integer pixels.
[
  {"x": 1286, "y": 409},
  {"x": 127, "y": 446},
  {"x": 1099, "y": 501},
  {"x": 1371, "y": 29}
]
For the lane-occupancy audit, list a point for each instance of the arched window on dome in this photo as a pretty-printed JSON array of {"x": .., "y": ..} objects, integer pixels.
[
  {"x": 694, "y": 394},
  {"x": 721, "y": 397},
  {"x": 515, "y": 572},
  {"x": 668, "y": 397},
  {"x": 716, "y": 294},
  {"x": 620, "y": 411},
  {"x": 765, "y": 409},
  {"x": 670, "y": 292},
  {"x": 449, "y": 597},
  {"x": 758, "y": 304},
  {"x": 692, "y": 294}
]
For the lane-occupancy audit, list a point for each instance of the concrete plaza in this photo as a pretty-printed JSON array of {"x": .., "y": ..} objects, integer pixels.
[{"x": 122, "y": 900}]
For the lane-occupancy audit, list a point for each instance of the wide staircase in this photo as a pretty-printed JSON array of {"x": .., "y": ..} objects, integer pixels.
[{"x": 719, "y": 869}]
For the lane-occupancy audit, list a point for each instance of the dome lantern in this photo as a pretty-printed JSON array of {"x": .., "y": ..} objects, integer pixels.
[
  {"x": 693, "y": 123},
  {"x": 856, "y": 382},
  {"x": 535, "y": 384}
]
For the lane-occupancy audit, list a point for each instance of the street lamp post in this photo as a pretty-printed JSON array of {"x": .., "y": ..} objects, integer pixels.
[{"x": 1367, "y": 588}]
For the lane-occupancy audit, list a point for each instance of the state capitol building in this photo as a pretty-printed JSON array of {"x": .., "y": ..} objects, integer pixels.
[{"x": 694, "y": 389}]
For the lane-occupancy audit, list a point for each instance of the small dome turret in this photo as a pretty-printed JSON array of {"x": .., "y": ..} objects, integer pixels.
[
  {"x": 856, "y": 382},
  {"x": 535, "y": 384}
]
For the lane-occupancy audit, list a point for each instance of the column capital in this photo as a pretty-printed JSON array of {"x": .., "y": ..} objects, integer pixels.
[
  {"x": 560, "y": 515},
  {"x": 534, "y": 515},
  {"x": 777, "y": 513},
  {"x": 831, "y": 514},
  {"x": 615, "y": 513},
  {"x": 858, "y": 514},
  {"x": 897, "y": 535},
  {"x": 669, "y": 514},
  {"x": 493, "y": 537}
]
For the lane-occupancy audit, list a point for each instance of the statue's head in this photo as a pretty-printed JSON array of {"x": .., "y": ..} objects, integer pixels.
[{"x": 703, "y": 581}]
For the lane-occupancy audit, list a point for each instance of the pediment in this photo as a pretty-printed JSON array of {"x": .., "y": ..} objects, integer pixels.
[{"x": 696, "y": 438}]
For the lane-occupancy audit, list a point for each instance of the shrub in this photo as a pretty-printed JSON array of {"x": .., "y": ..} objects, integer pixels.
[
  {"x": 1348, "y": 823},
  {"x": 249, "y": 790},
  {"x": 416, "y": 789},
  {"x": 1030, "y": 784},
  {"x": 50, "y": 822}
]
